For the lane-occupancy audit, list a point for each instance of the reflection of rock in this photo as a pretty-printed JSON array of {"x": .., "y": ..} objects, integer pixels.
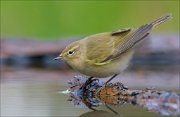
[
  {"x": 95, "y": 94},
  {"x": 99, "y": 113}
]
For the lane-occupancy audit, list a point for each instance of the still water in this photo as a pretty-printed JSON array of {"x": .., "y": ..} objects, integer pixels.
[{"x": 35, "y": 92}]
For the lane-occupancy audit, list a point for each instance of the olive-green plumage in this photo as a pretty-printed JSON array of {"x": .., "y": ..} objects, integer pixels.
[{"x": 108, "y": 53}]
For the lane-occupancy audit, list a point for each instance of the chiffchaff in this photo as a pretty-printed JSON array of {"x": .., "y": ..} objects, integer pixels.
[{"x": 105, "y": 54}]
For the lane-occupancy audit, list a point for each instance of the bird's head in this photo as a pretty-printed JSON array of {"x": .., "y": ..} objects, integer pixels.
[{"x": 70, "y": 53}]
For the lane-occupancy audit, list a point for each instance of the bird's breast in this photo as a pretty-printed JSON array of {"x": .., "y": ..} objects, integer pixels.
[{"x": 113, "y": 67}]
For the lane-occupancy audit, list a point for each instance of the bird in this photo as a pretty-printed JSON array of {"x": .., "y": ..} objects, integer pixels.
[{"x": 107, "y": 54}]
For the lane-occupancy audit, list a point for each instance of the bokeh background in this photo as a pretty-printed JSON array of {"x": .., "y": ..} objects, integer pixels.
[
  {"x": 55, "y": 19},
  {"x": 34, "y": 32}
]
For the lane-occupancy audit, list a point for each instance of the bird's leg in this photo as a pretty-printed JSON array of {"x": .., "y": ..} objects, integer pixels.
[
  {"x": 88, "y": 81},
  {"x": 110, "y": 79}
]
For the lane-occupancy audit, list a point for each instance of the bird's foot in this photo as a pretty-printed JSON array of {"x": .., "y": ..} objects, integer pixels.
[{"x": 88, "y": 81}]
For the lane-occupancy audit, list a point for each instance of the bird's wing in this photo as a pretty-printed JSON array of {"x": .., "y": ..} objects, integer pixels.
[
  {"x": 101, "y": 46},
  {"x": 130, "y": 38},
  {"x": 105, "y": 47},
  {"x": 98, "y": 47}
]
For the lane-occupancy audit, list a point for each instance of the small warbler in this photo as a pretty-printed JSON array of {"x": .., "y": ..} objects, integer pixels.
[{"x": 107, "y": 54}]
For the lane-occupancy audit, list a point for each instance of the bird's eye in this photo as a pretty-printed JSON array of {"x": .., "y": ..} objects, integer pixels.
[{"x": 71, "y": 52}]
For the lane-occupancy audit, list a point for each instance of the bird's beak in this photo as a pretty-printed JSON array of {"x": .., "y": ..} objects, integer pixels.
[{"x": 59, "y": 57}]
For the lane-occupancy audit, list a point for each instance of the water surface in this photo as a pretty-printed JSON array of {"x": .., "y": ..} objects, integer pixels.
[{"x": 35, "y": 92}]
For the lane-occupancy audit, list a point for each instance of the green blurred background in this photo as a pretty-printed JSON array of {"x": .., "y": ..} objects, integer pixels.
[{"x": 58, "y": 19}]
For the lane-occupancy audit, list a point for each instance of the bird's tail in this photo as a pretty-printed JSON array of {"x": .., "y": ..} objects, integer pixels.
[{"x": 162, "y": 19}]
